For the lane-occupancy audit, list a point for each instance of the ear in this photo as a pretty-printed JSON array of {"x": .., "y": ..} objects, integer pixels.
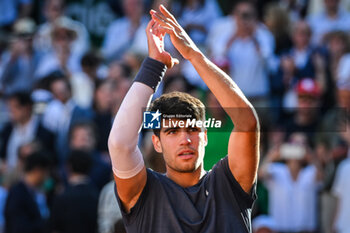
[
  {"x": 156, "y": 143},
  {"x": 205, "y": 137}
]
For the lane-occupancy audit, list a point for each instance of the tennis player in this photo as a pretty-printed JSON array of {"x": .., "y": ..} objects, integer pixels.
[{"x": 186, "y": 198}]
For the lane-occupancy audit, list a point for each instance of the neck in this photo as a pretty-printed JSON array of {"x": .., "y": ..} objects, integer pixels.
[{"x": 186, "y": 179}]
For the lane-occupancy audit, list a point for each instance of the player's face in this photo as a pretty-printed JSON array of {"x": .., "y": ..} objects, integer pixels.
[{"x": 183, "y": 148}]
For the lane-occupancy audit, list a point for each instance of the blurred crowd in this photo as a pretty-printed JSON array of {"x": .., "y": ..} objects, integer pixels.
[{"x": 65, "y": 66}]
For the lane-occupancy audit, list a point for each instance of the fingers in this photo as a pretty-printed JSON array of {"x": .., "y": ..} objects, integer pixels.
[
  {"x": 166, "y": 13},
  {"x": 161, "y": 18}
]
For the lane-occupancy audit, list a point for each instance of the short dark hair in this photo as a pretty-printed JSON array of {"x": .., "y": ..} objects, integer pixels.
[
  {"x": 91, "y": 59},
  {"x": 178, "y": 103},
  {"x": 37, "y": 160},
  {"x": 23, "y": 98},
  {"x": 80, "y": 162},
  {"x": 86, "y": 124}
]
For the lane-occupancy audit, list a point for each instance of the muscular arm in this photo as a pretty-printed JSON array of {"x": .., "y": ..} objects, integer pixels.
[{"x": 243, "y": 146}]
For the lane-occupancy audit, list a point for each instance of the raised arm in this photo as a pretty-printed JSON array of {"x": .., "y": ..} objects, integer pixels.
[
  {"x": 127, "y": 161},
  {"x": 243, "y": 149}
]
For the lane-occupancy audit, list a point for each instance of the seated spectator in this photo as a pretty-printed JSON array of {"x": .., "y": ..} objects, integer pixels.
[
  {"x": 83, "y": 83},
  {"x": 102, "y": 106},
  {"x": 61, "y": 113},
  {"x": 62, "y": 57},
  {"x": 25, "y": 127},
  {"x": 83, "y": 137},
  {"x": 54, "y": 12},
  {"x": 20, "y": 62},
  {"x": 130, "y": 31},
  {"x": 305, "y": 118},
  {"x": 332, "y": 18},
  {"x": 75, "y": 210},
  {"x": 26, "y": 210}
]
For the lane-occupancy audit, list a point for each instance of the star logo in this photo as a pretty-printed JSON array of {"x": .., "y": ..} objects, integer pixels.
[
  {"x": 151, "y": 120},
  {"x": 155, "y": 115}
]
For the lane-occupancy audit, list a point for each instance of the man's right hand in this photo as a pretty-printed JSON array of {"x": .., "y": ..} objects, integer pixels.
[{"x": 155, "y": 40}]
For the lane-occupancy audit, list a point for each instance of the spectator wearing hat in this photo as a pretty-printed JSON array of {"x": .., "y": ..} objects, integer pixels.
[
  {"x": 54, "y": 14},
  {"x": 305, "y": 118},
  {"x": 62, "y": 56},
  {"x": 21, "y": 61}
]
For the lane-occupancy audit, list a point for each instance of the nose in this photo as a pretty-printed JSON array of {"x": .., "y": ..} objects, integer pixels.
[{"x": 185, "y": 138}]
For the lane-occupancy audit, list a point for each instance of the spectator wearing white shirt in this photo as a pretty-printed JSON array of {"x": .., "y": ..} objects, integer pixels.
[
  {"x": 248, "y": 45},
  {"x": 61, "y": 113},
  {"x": 332, "y": 18},
  {"x": 341, "y": 189},
  {"x": 292, "y": 188},
  {"x": 197, "y": 17},
  {"x": 126, "y": 33}
]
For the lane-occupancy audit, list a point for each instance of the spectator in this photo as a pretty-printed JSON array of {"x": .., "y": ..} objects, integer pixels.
[
  {"x": 129, "y": 30},
  {"x": 341, "y": 188},
  {"x": 305, "y": 119},
  {"x": 338, "y": 45},
  {"x": 26, "y": 210},
  {"x": 61, "y": 113},
  {"x": 248, "y": 45},
  {"x": 62, "y": 57},
  {"x": 25, "y": 127},
  {"x": 277, "y": 21},
  {"x": 102, "y": 107},
  {"x": 54, "y": 13},
  {"x": 21, "y": 61},
  {"x": 292, "y": 188},
  {"x": 108, "y": 209},
  {"x": 197, "y": 16},
  {"x": 83, "y": 137},
  {"x": 83, "y": 83},
  {"x": 75, "y": 210},
  {"x": 332, "y": 18}
]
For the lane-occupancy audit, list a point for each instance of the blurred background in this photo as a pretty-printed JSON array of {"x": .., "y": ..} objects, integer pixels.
[{"x": 65, "y": 66}]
